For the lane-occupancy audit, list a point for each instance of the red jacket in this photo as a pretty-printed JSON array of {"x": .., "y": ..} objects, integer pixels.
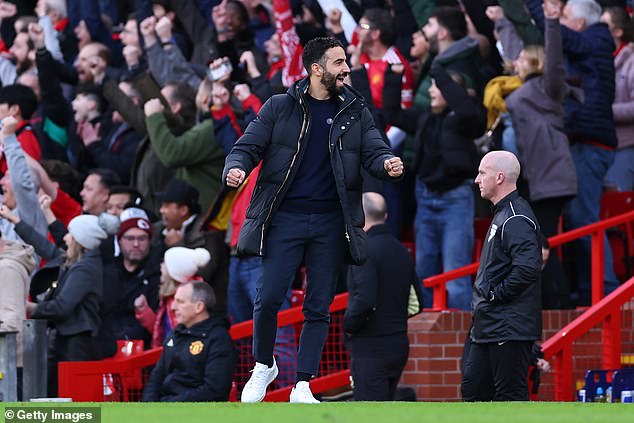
[{"x": 65, "y": 207}]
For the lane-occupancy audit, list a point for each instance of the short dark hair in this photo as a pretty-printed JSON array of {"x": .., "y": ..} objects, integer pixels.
[
  {"x": 242, "y": 11},
  {"x": 94, "y": 93},
  {"x": 201, "y": 291},
  {"x": 20, "y": 95},
  {"x": 108, "y": 177},
  {"x": 382, "y": 20},
  {"x": 135, "y": 197},
  {"x": 65, "y": 175},
  {"x": 453, "y": 19},
  {"x": 186, "y": 96},
  {"x": 621, "y": 20},
  {"x": 315, "y": 51}
]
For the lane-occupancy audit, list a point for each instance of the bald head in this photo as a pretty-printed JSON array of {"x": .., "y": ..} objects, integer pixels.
[
  {"x": 497, "y": 175},
  {"x": 374, "y": 209},
  {"x": 505, "y": 162}
]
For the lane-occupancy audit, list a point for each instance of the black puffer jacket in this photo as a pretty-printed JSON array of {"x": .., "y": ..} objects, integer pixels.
[
  {"x": 196, "y": 365},
  {"x": 445, "y": 152},
  {"x": 506, "y": 303},
  {"x": 277, "y": 138}
]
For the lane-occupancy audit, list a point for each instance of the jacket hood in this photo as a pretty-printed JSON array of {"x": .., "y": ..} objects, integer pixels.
[
  {"x": 18, "y": 253},
  {"x": 464, "y": 47}
]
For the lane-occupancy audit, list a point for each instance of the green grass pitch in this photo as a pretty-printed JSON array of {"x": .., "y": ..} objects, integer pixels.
[{"x": 361, "y": 412}]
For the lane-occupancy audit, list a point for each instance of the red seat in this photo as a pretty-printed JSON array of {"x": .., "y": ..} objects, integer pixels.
[
  {"x": 480, "y": 229},
  {"x": 131, "y": 380}
]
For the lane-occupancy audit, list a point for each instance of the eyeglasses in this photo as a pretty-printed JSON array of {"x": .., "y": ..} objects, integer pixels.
[
  {"x": 132, "y": 239},
  {"x": 365, "y": 26}
]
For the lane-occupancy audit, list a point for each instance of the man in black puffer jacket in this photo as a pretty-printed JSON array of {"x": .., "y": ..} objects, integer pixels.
[
  {"x": 506, "y": 304},
  {"x": 198, "y": 356},
  {"x": 312, "y": 142}
]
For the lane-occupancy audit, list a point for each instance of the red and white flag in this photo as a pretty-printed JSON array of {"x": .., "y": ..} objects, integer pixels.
[{"x": 289, "y": 42}]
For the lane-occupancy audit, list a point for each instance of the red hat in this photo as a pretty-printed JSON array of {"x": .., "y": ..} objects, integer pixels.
[{"x": 134, "y": 218}]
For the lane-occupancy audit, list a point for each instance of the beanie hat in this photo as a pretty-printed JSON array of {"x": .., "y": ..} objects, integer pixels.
[
  {"x": 134, "y": 217},
  {"x": 89, "y": 230},
  {"x": 183, "y": 263}
]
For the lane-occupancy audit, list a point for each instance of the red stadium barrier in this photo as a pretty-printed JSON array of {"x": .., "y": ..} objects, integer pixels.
[
  {"x": 84, "y": 381},
  {"x": 608, "y": 314},
  {"x": 596, "y": 231}
]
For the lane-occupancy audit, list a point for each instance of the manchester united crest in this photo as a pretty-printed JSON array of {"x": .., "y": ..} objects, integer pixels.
[{"x": 196, "y": 347}]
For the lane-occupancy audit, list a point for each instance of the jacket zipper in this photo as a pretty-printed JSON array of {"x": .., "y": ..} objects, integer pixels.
[
  {"x": 340, "y": 148},
  {"x": 333, "y": 123},
  {"x": 302, "y": 133}
]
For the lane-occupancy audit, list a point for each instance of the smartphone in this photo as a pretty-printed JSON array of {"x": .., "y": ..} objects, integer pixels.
[{"x": 220, "y": 72}]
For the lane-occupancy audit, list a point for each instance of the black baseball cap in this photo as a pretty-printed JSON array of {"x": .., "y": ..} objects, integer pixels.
[{"x": 180, "y": 192}]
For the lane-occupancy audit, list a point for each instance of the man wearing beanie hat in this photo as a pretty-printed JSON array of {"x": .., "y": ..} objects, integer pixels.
[
  {"x": 182, "y": 226},
  {"x": 138, "y": 275}
]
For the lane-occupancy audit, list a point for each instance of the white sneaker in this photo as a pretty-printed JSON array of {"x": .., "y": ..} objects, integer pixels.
[
  {"x": 301, "y": 394},
  {"x": 261, "y": 377}
]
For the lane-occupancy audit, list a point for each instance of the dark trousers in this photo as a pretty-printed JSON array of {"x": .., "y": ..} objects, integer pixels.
[
  {"x": 555, "y": 287},
  {"x": 80, "y": 347},
  {"x": 376, "y": 368},
  {"x": 494, "y": 372},
  {"x": 319, "y": 240}
]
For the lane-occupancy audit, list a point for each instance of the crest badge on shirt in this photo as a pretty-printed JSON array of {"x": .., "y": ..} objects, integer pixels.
[
  {"x": 494, "y": 229},
  {"x": 170, "y": 343},
  {"x": 196, "y": 347}
]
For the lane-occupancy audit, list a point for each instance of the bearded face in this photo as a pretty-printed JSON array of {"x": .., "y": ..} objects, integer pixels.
[
  {"x": 333, "y": 82},
  {"x": 335, "y": 70}
]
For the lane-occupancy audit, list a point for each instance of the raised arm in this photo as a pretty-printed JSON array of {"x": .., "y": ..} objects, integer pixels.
[
  {"x": 574, "y": 42},
  {"x": 554, "y": 70},
  {"x": 24, "y": 189},
  {"x": 406, "y": 119}
]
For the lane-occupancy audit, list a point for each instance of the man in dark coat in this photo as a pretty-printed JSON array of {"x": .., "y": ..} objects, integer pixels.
[
  {"x": 198, "y": 357},
  {"x": 312, "y": 142},
  {"x": 376, "y": 318},
  {"x": 506, "y": 303}
]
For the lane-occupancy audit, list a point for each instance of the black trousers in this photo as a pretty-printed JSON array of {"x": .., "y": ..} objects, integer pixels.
[
  {"x": 555, "y": 286},
  {"x": 80, "y": 347},
  {"x": 376, "y": 365},
  {"x": 494, "y": 372},
  {"x": 319, "y": 241}
]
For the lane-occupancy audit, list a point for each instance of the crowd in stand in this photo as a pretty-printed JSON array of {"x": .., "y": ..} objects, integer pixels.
[{"x": 117, "y": 117}]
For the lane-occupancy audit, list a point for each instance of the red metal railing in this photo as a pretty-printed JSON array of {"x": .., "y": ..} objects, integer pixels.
[
  {"x": 595, "y": 230},
  {"x": 83, "y": 381},
  {"x": 606, "y": 312}
]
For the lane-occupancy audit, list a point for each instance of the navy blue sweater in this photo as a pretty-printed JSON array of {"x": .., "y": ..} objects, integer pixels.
[{"x": 313, "y": 190}]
